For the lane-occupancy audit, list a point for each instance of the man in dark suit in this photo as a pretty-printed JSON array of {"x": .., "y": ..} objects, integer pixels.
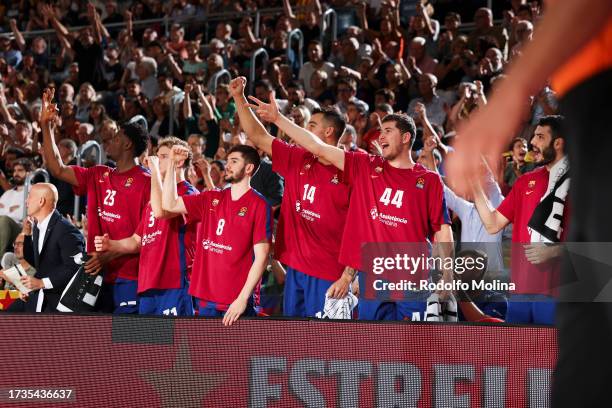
[{"x": 53, "y": 247}]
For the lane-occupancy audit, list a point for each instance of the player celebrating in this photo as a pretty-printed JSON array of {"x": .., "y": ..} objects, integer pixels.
[
  {"x": 536, "y": 206},
  {"x": 314, "y": 208},
  {"x": 165, "y": 243},
  {"x": 391, "y": 187},
  {"x": 116, "y": 199},
  {"x": 233, "y": 238}
]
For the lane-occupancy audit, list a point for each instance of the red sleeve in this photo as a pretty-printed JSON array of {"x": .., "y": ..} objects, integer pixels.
[
  {"x": 282, "y": 155},
  {"x": 146, "y": 197},
  {"x": 140, "y": 228},
  {"x": 262, "y": 231},
  {"x": 437, "y": 211},
  {"x": 506, "y": 208},
  {"x": 353, "y": 161},
  {"x": 195, "y": 205},
  {"x": 83, "y": 176}
]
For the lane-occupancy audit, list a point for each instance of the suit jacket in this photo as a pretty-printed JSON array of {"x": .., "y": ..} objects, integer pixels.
[{"x": 56, "y": 261}]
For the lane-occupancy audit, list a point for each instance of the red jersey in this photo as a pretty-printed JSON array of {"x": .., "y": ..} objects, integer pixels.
[
  {"x": 227, "y": 232},
  {"x": 389, "y": 205},
  {"x": 167, "y": 248},
  {"x": 115, "y": 204},
  {"x": 518, "y": 208},
  {"x": 313, "y": 213}
]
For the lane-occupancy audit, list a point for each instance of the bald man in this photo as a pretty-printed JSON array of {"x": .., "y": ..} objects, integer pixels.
[{"x": 51, "y": 244}]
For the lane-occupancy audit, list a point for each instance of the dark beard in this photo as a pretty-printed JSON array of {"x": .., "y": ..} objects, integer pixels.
[
  {"x": 548, "y": 156},
  {"x": 17, "y": 181},
  {"x": 235, "y": 179}
]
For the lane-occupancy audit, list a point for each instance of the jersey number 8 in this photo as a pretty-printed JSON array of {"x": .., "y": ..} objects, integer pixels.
[{"x": 220, "y": 226}]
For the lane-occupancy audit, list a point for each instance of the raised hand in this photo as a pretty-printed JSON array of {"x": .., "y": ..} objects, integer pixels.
[
  {"x": 179, "y": 154},
  {"x": 420, "y": 111},
  {"x": 266, "y": 111},
  {"x": 48, "y": 110},
  {"x": 203, "y": 165},
  {"x": 102, "y": 243},
  {"x": 152, "y": 162},
  {"x": 237, "y": 86}
]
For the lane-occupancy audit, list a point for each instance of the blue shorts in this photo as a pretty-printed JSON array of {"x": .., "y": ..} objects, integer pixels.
[
  {"x": 166, "y": 302},
  {"x": 304, "y": 294},
  {"x": 212, "y": 309},
  {"x": 413, "y": 307},
  {"x": 125, "y": 296},
  {"x": 119, "y": 297},
  {"x": 536, "y": 309}
]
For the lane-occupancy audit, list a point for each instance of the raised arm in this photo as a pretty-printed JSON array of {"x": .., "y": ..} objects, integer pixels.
[
  {"x": 171, "y": 201},
  {"x": 51, "y": 154},
  {"x": 18, "y": 36},
  {"x": 187, "y": 112},
  {"x": 255, "y": 131},
  {"x": 156, "y": 189},
  {"x": 96, "y": 24},
  {"x": 288, "y": 11},
  {"x": 492, "y": 219},
  {"x": 59, "y": 27},
  {"x": 270, "y": 113}
]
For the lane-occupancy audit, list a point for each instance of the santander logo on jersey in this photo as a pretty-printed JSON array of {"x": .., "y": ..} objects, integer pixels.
[
  {"x": 389, "y": 220},
  {"x": 215, "y": 247},
  {"x": 374, "y": 213},
  {"x": 148, "y": 239}
]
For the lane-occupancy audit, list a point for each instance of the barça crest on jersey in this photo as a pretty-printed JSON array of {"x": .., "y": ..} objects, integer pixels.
[
  {"x": 334, "y": 179},
  {"x": 242, "y": 211},
  {"x": 531, "y": 183},
  {"x": 129, "y": 182},
  {"x": 420, "y": 183},
  {"x": 215, "y": 202},
  {"x": 374, "y": 213},
  {"x": 298, "y": 206}
]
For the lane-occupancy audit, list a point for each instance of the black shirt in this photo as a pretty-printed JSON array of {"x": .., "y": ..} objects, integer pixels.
[{"x": 91, "y": 64}]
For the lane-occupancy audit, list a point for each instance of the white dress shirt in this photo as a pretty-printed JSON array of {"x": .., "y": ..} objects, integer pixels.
[{"x": 42, "y": 230}]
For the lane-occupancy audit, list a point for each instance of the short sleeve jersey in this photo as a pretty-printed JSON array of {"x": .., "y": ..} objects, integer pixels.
[
  {"x": 115, "y": 204},
  {"x": 518, "y": 207},
  {"x": 167, "y": 248},
  {"x": 227, "y": 233},
  {"x": 389, "y": 205},
  {"x": 313, "y": 213}
]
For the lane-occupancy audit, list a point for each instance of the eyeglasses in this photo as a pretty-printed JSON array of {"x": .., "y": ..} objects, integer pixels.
[{"x": 17, "y": 244}]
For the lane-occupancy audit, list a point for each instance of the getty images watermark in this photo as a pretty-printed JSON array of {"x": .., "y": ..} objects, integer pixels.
[
  {"x": 474, "y": 264},
  {"x": 392, "y": 270}
]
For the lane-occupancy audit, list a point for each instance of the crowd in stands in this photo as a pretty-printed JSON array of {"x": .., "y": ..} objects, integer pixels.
[{"x": 169, "y": 75}]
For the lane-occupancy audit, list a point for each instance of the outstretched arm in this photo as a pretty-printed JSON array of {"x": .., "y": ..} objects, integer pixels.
[
  {"x": 270, "y": 113},
  {"x": 51, "y": 154},
  {"x": 255, "y": 131}
]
